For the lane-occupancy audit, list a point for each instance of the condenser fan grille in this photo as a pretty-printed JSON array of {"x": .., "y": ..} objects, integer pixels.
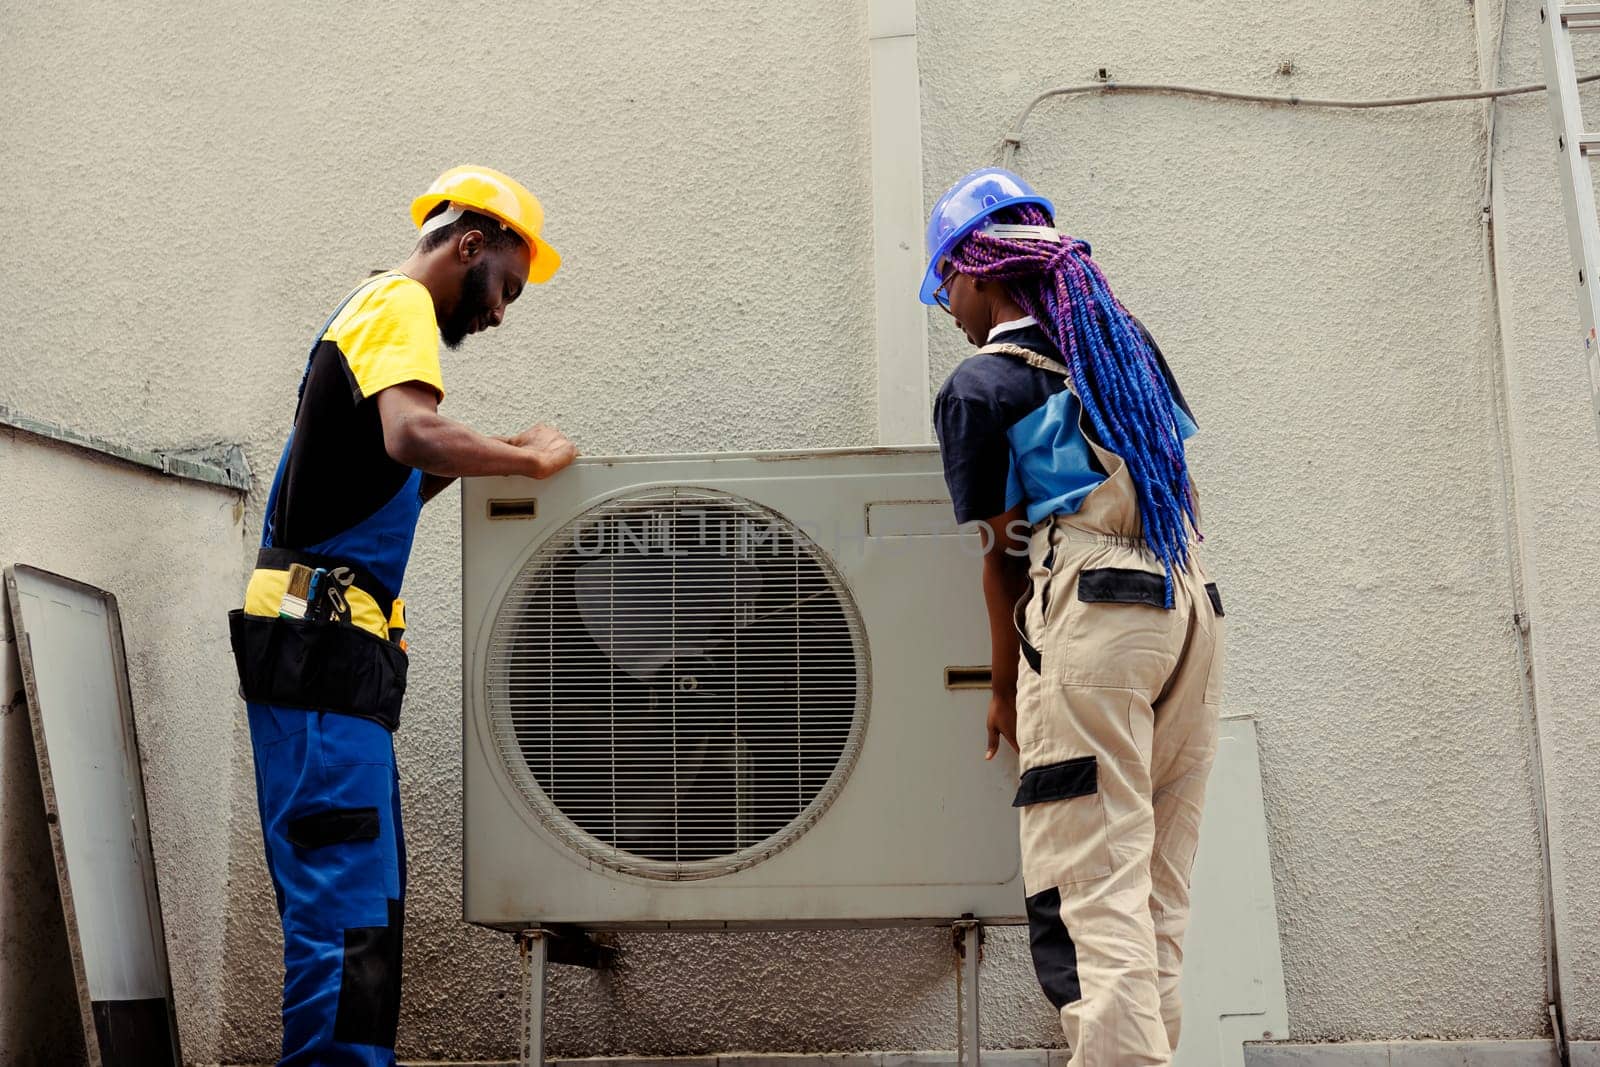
[{"x": 677, "y": 683}]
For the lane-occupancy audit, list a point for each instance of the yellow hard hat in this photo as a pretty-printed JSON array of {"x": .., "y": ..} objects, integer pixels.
[{"x": 498, "y": 195}]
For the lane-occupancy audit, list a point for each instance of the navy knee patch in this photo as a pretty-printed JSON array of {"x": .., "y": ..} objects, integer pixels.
[
  {"x": 1055, "y": 957},
  {"x": 369, "y": 989}
]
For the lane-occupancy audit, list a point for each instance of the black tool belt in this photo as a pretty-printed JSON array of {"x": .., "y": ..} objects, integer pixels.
[{"x": 325, "y": 665}]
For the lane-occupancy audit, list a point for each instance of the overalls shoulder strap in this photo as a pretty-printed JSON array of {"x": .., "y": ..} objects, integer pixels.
[
  {"x": 1113, "y": 464},
  {"x": 1028, "y": 355},
  {"x": 300, "y": 396},
  {"x": 317, "y": 340}
]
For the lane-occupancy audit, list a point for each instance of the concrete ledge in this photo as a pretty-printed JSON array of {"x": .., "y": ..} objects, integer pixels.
[
  {"x": 1027, "y": 1057},
  {"x": 222, "y": 465},
  {"x": 1419, "y": 1054},
  {"x": 1257, "y": 1054}
]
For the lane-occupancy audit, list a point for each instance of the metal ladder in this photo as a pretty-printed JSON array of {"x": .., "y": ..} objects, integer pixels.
[{"x": 1557, "y": 23}]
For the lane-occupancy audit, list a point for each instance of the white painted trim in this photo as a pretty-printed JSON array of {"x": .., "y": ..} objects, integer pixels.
[{"x": 901, "y": 321}]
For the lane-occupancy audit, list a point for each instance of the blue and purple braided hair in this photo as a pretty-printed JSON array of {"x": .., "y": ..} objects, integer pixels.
[{"x": 1114, "y": 373}]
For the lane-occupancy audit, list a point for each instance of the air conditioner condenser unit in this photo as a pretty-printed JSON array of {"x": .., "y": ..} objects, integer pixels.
[{"x": 729, "y": 690}]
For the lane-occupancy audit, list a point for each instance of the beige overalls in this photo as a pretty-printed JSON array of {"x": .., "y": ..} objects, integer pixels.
[{"x": 1117, "y": 708}]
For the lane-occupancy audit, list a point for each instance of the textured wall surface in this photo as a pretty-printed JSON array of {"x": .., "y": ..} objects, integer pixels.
[
  {"x": 225, "y": 174},
  {"x": 1558, "y": 479},
  {"x": 1317, "y": 282},
  {"x": 197, "y": 187},
  {"x": 169, "y": 552}
]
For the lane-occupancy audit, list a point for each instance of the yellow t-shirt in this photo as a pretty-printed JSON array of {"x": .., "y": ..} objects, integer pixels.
[
  {"x": 388, "y": 335},
  {"x": 338, "y": 492}
]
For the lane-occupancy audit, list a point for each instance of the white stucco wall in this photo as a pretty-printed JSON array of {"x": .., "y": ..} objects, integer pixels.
[
  {"x": 1317, "y": 283},
  {"x": 196, "y": 187},
  {"x": 1558, "y": 479},
  {"x": 169, "y": 552}
]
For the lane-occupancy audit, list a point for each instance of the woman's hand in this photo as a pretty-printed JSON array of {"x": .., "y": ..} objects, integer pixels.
[{"x": 1002, "y": 723}]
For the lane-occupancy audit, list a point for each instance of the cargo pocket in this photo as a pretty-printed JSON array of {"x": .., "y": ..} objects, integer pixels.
[
  {"x": 1119, "y": 632},
  {"x": 1039, "y": 579},
  {"x": 369, "y": 985},
  {"x": 349, "y": 741},
  {"x": 1019, "y": 621},
  {"x": 1064, "y": 821},
  {"x": 335, "y": 826}
]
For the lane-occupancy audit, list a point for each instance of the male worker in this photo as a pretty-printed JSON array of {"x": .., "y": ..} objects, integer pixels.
[
  {"x": 1068, "y": 429},
  {"x": 319, "y": 646}
]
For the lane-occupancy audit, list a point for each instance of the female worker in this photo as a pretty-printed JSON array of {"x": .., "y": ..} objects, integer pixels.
[{"x": 1064, "y": 436}]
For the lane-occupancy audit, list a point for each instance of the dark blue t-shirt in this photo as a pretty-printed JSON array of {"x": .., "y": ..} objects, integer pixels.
[{"x": 1009, "y": 434}]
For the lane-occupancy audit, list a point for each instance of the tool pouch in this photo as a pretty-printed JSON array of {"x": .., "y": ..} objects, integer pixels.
[{"x": 318, "y": 666}]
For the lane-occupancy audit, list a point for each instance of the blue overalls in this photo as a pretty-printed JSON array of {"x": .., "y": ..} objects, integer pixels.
[{"x": 323, "y": 700}]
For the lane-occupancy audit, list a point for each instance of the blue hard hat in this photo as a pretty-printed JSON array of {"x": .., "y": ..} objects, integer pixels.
[{"x": 964, "y": 207}]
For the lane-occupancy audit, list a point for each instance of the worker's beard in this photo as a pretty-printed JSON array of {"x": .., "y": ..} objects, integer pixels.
[{"x": 469, "y": 307}]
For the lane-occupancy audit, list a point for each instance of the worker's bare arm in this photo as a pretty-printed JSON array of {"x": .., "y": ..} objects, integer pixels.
[
  {"x": 1005, "y": 578},
  {"x": 414, "y": 433}
]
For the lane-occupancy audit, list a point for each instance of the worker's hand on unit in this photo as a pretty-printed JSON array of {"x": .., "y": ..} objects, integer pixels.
[
  {"x": 551, "y": 449},
  {"x": 1002, "y": 723}
]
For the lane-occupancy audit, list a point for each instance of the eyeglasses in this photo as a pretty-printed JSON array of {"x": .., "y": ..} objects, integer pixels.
[{"x": 941, "y": 295}]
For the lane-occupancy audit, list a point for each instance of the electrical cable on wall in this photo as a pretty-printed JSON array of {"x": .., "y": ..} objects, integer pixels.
[{"x": 1013, "y": 140}]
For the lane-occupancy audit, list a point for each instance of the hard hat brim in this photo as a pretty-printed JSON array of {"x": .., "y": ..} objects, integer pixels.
[
  {"x": 931, "y": 278},
  {"x": 544, "y": 261}
]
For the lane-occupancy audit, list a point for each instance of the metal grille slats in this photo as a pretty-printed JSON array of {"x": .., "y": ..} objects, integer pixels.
[{"x": 677, "y": 682}]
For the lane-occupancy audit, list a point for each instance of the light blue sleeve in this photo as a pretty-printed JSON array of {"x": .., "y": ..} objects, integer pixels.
[{"x": 1186, "y": 426}]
